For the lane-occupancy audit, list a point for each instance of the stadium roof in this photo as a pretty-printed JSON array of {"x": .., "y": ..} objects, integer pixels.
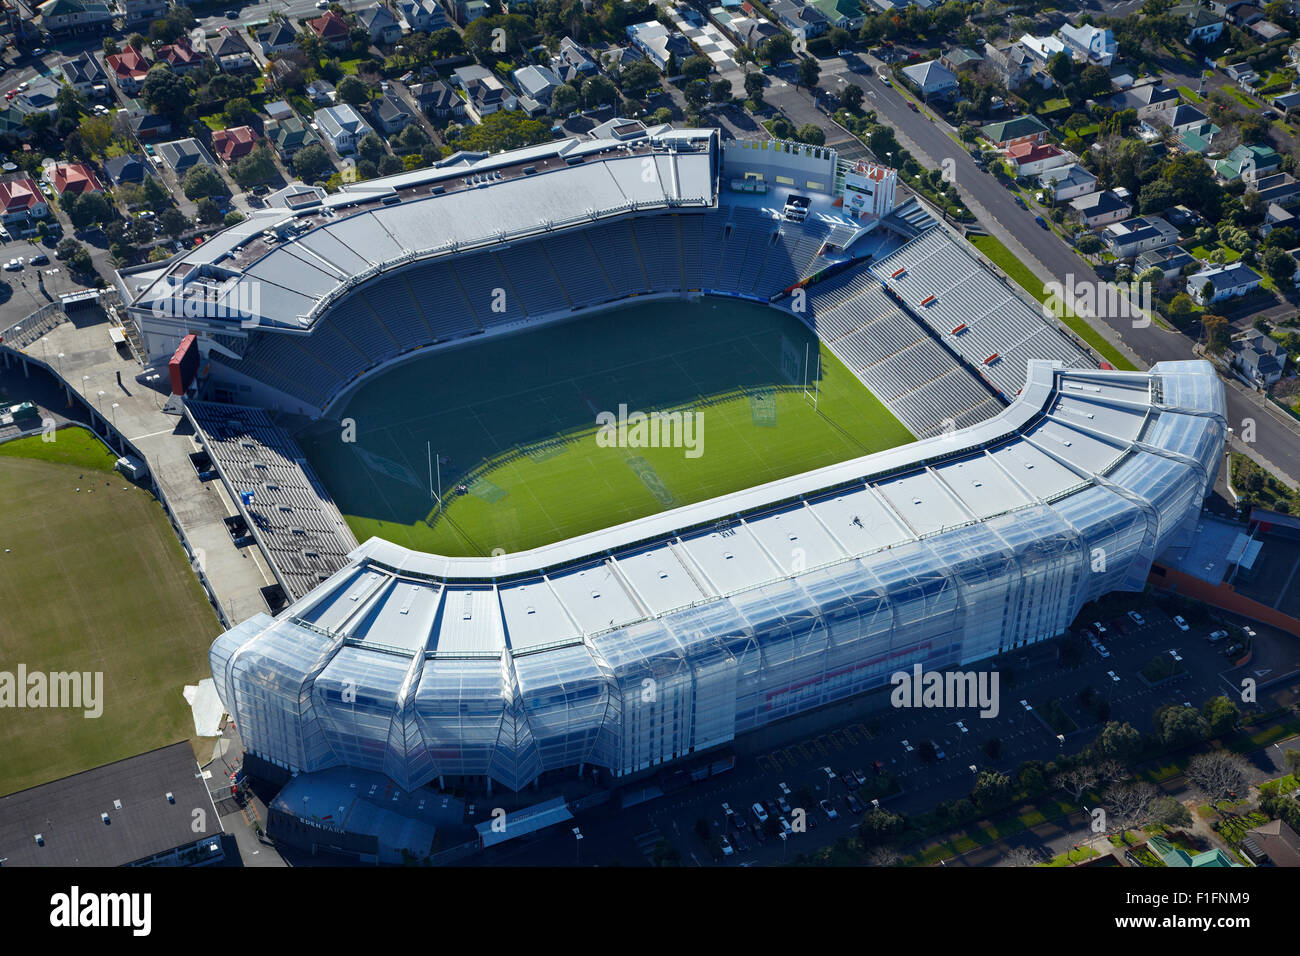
[
  {"x": 1068, "y": 430},
  {"x": 290, "y": 264},
  {"x": 134, "y": 793}
]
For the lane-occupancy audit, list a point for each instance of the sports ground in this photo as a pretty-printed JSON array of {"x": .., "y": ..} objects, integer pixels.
[
  {"x": 508, "y": 426},
  {"x": 92, "y": 580}
]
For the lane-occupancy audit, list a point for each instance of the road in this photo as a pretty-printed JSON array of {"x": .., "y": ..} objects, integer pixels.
[{"x": 1051, "y": 259}]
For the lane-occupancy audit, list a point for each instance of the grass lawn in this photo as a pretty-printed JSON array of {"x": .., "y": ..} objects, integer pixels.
[
  {"x": 214, "y": 121},
  {"x": 514, "y": 421},
  {"x": 93, "y": 581},
  {"x": 1248, "y": 101},
  {"x": 1203, "y": 252},
  {"x": 1071, "y": 857},
  {"x": 1020, "y": 273},
  {"x": 1189, "y": 94}
]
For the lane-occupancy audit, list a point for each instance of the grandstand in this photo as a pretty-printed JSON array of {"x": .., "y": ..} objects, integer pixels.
[
  {"x": 742, "y": 610},
  {"x": 304, "y": 537}
]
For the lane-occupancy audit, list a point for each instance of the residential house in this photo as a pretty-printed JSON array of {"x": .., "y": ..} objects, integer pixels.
[
  {"x": 536, "y": 84},
  {"x": 129, "y": 169},
  {"x": 75, "y": 178},
  {"x": 1093, "y": 44},
  {"x": 424, "y": 15},
  {"x": 1257, "y": 356},
  {"x": 73, "y": 16},
  {"x": 1021, "y": 129},
  {"x": 467, "y": 11},
  {"x": 1043, "y": 49},
  {"x": 180, "y": 56},
  {"x": 182, "y": 155},
  {"x": 960, "y": 59},
  {"x": 485, "y": 93},
  {"x": 573, "y": 63},
  {"x": 658, "y": 43},
  {"x": 278, "y": 110},
  {"x": 84, "y": 73},
  {"x": 1266, "y": 31},
  {"x": 234, "y": 143},
  {"x": 128, "y": 69},
  {"x": 1278, "y": 188},
  {"x": 275, "y": 36},
  {"x": 1067, "y": 182},
  {"x": 803, "y": 21},
  {"x": 618, "y": 57},
  {"x": 14, "y": 123},
  {"x": 1170, "y": 261},
  {"x": 1175, "y": 857},
  {"x": 1243, "y": 74},
  {"x": 1012, "y": 64},
  {"x": 289, "y": 135},
  {"x": 332, "y": 31},
  {"x": 932, "y": 79},
  {"x": 1287, "y": 103},
  {"x": 1277, "y": 217},
  {"x": 1199, "y": 141},
  {"x": 342, "y": 126},
  {"x": 142, "y": 11},
  {"x": 320, "y": 92},
  {"x": 379, "y": 22},
  {"x": 1272, "y": 844},
  {"x": 21, "y": 201},
  {"x": 390, "y": 114},
  {"x": 148, "y": 127},
  {"x": 847, "y": 14},
  {"x": 1132, "y": 237},
  {"x": 1148, "y": 100},
  {"x": 1180, "y": 118},
  {"x": 41, "y": 96},
  {"x": 752, "y": 31},
  {"x": 230, "y": 51},
  {"x": 437, "y": 99},
  {"x": 1225, "y": 281},
  {"x": 1097, "y": 209},
  {"x": 1247, "y": 163},
  {"x": 1204, "y": 26},
  {"x": 1031, "y": 159}
]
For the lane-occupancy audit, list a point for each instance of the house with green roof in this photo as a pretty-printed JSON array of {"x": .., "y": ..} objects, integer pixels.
[
  {"x": 1247, "y": 163},
  {"x": 1021, "y": 129},
  {"x": 73, "y": 15},
  {"x": 289, "y": 135},
  {"x": 1199, "y": 139},
  {"x": 1176, "y": 857},
  {"x": 960, "y": 59},
  {"x": 841, "y": 13}
]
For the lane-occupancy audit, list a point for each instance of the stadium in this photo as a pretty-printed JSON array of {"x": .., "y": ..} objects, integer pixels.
[{"x": 998, "y": 480}]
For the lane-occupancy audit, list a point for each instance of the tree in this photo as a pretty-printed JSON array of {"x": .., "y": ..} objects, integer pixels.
[
  {"x": 696, "y": 93},
  {"x": 991, "y": 789},
  {"x": 1078, "y": 779},
  {"x": 811, "y": 134},
  {"x": 88, "y": 209},
  {"x": 504, "y": 129},
  {"x": 173, "y": 222},
  {"x": 1090, "y": 244},
  {"x": 1218, "y": 336},
  {"x": 389, "y": 164},
  {"x": 352, "y": 91},
  {"x": 776, "y": 48},
  {"x": 310, "y": 163},
  {"x": 1169, "y": 812},
  {"x": 809, "y": 72},
  {"x": 203, "y": 180},
  {"x": 720, "y": 91},
  {"x": 255, "y": 168},
  {"x": 671, "y": 66},
  {"x": 851, "y": 97},
  {"x": 564, "y": 100},
  {"x": 1177, "y": 725},
  {"x": 165, "y": 92},
  {"x": 96, "y": 133},
  {"x": 697, "y": 67},
  {"x": 1279, "y": 266},
  {"x": 754, "y": 86},
  {"x": 1129, "y": 806},
  {"x": 1217, "y": 774},
  {"x": 880, "y": 826},
  {"x": 209, "y": 212},
  {"x": 1181, "y": 308},
  {"x": 1117, "y": 741},
  {"x": 239, "y": 111},
  {"x": 598, "y": 91},
  {"x": 1061, "y": 68}
]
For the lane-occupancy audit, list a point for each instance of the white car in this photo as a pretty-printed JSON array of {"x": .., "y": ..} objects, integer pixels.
[
  {"x": 1175, "y": 655},
  {"x": 962, "y": 727},
  {"x": 1137, "y": 618},
  {"x": 1099, "y": 627},
  {"x": 907, "y": 747},
  {"x": 1113, "y": 676},
  {"x": 13, "y": 265},
  {"x": 727, "y": 849},
  {"x": 1025, "y": 704},
  {"x": 1182, "y": 625},
  {"x": 759, "y": 813},
  {"x": 1101, "y": 651},
  {"x": 828, "y": 810},
  {"x": 1250, "y": 631},
  {"x": 1216, "y": 636}
]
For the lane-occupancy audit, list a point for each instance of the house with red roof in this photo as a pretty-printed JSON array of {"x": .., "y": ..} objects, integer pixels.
[
  {"x": 20, "y": 200},
  {"x": 180, "y": 56},
  {"x": 332, "y": 29},
  {"x": 234, "y": 143},
  {"x": 1032, "y": 159},
  {"x": 73, "y": 177},
  {"x": 128, "y": 69}
]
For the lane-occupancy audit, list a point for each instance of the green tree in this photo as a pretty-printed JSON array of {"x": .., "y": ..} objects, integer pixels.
[
  {"x": 1117, "y": 741},
  {"x": 1279, "y": 266},
  {"x": 310, "y": 162},
  {"x": 638, "y": 77},
  {"x": 173, "y": 222},
  {"x": 1061, "y": 68},
  {"x": 165, "y": 92},
  {"x": 1218, "y": 333},
  {"x": 88, "y": 209},
  {"x": 370, "y": 147},
  {"x": 1177, "y": 725},
  {"x": 504, "y": 129},
  {"x": 352, "y": 91},
  {"x": 1221, "y": 714},
  {"x": 697, "y": 67},
  {"x": 564, "y": 100},
  {"x": 809, "y": 72},
  {"x": 203, "y": 180},
  {"x": 720, "y": 91},
  {"x": 776, "y": 48},
  {"x": 991, "y": 789},
  {"x": 239, "y": 112},
  {"x": 851, "y": 97},
  {"x": 598, "y": 91},
  {"x": 754, "y": 86},
  {"x": 255, "y": 168},
  {"x": 810, "y": 133},
  {"x": 209, "y": 211}
]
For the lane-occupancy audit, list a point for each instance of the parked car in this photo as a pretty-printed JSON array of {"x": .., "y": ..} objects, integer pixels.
[
  {"x": 727, "y": 848},
  {"x": 1042, "y": 223},
  {"x": 1182, "y": 625},
  {"x": 1101, "y": 651},
  {"x": 860, "y": 777},
  {"x": 759, "y": 813},
  {"x": 855, "y": 805},
  {"x": 1216, "y": 636},
  {"x": 13, "y": 265},
  {"x": 1019, "y": 202},
  {"x": 1137, "y": 618},
  {"x": 912, "y": 106},
  {"x": 40, "y": 259},
  {"x": 828, "y": 810},
  {"x": 1234, "y": 650}
]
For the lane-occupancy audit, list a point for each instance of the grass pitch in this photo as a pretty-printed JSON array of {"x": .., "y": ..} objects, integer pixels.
[
  {"x": 511, "y": 426},
  {"x": 92, "y": 582}
]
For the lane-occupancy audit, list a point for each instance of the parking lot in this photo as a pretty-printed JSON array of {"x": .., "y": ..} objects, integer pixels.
[{"x": 905, "y": 745}]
